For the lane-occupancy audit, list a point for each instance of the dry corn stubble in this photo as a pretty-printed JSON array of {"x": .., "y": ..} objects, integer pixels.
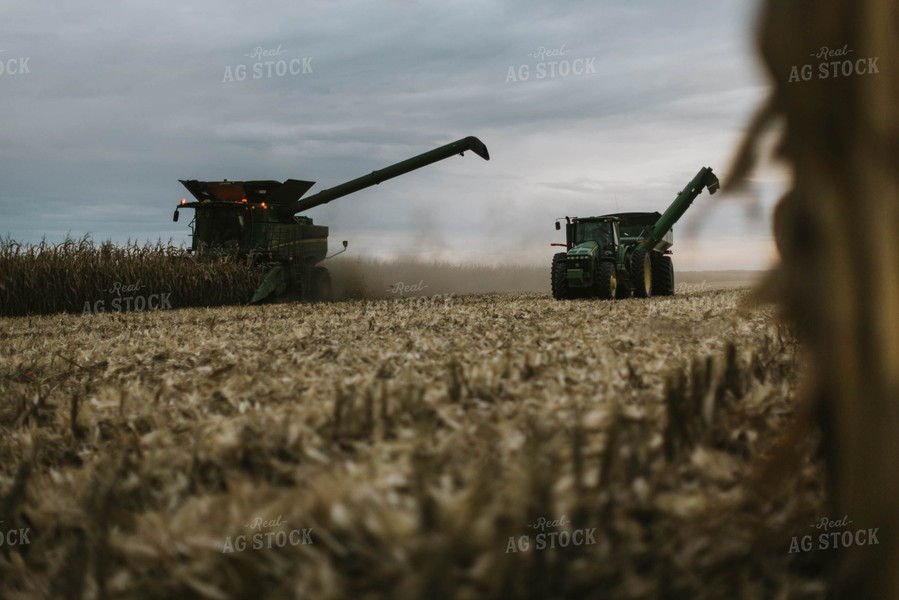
[{"x": 413, "y": 440}]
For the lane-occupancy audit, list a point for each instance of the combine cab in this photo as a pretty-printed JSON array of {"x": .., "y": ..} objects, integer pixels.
[
  {"x": 257, "y": 220},
  {"x": 616, "y": 255}
]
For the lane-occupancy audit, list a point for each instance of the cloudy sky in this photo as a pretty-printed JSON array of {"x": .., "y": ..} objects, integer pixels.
[{"x": 113, "y": 102}]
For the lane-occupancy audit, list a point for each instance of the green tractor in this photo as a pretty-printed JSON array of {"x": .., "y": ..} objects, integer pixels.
[
  {"x": 256, "y": 220},
  {"x": 616, "y": 255}
]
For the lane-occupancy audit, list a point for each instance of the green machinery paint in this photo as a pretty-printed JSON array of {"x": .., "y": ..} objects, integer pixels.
[
  {"x": 258, "y": 220},
  {"x": 616, "y": 255}
]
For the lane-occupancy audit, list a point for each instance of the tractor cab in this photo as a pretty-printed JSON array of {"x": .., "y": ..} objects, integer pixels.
[
  {"x": 604, "y": 232},
  {"x": 599, "y": 232}
]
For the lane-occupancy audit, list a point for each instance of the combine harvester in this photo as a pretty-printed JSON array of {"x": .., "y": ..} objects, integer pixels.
[
  {"x": 255, "y": 220},
  {"x": 613, "y": 256}
]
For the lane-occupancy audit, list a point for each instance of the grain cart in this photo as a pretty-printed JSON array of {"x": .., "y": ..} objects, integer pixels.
[
  {"x": 256, "y": 220},
  {"x": 616, "y": 255}
]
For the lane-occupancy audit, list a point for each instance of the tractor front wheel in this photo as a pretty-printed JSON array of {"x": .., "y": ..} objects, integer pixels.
[
  {"x": 606, "y": 283},
  {"x": 560, "y": 287}
]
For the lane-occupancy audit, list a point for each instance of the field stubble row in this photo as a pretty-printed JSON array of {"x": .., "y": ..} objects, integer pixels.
[{"x": 414, "y": 440}]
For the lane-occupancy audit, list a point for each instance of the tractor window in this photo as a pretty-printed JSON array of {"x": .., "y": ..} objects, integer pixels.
[{"x": 599, "y": 232}]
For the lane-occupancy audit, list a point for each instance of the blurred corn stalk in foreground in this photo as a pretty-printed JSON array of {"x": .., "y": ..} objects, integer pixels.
[{"x": 837, "y": 230}]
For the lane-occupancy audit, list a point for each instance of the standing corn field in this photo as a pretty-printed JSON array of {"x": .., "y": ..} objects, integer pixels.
[{"x": 80, "y": 276}]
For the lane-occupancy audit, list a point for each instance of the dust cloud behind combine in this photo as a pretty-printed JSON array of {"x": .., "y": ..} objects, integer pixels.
[
  {"x": 359, "y": 278},
  {"x": 368, "y": 278}
]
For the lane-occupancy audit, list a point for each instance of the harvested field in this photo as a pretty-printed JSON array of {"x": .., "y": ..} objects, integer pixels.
[{"x": 383, "y": 449}]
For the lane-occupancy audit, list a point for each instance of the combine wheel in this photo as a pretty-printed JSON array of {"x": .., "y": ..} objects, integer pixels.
[
  {"x": 641, "y": 274},
  {"x": 606, "y": 283},
  {"x": 662, "y": 275},
  {"x": 560, "y": 277},
  {"x": 671, "y": 270}
]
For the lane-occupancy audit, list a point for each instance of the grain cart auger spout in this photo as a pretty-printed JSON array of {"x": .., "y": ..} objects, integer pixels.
[
  {"x": 616, "y": 255},
  {"x": 256, "y": 220}
]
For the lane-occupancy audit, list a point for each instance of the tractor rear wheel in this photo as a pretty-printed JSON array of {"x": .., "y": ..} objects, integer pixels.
[
  {"x": 606, "y": 283},
  {"x": 641, "y": 274},
  {"x": 560, "y": 277},
  {"x": 662, "y": 275}
]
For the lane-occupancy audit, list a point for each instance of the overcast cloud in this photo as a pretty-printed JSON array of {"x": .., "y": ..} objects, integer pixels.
[{"x": 122, "y": 99}]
